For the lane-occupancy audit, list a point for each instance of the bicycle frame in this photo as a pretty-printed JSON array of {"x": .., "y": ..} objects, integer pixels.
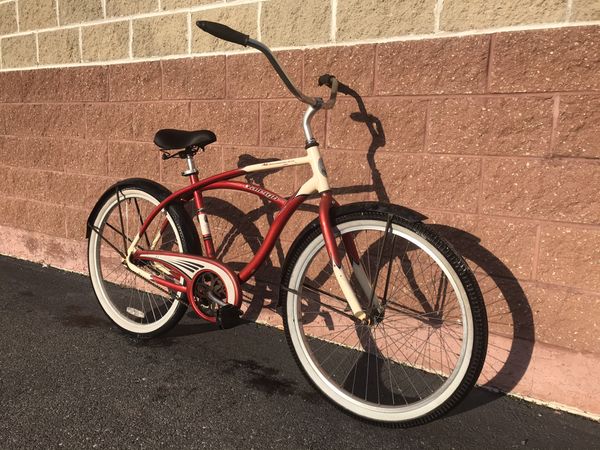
[{"x": 318, "y": 183}]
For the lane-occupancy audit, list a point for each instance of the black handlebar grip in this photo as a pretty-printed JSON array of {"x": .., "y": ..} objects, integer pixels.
[
  {"x": 325, "y": 80},
  {"x": 223, "y": 32}
]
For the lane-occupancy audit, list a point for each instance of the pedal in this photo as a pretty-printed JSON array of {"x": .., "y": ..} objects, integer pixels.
[{"x": 228, "y": 316}]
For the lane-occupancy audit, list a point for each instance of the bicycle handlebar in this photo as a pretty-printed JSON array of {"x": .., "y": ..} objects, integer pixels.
[
  {"x": 228, "y": 34},
  {"x": 221, "y": 31}
]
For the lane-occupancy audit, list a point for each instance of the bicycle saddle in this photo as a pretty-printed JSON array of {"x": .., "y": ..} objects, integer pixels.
[{"x": 169, "y": 139}]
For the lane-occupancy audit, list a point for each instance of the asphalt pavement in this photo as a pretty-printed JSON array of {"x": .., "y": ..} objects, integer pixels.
[{"x": 68, "y": 379}]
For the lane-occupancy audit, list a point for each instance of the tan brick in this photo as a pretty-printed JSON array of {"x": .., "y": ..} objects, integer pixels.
[
  {"x": 59, "y": 47},
  {"x": 289, "y": 22},
  {"x": 463, "y": 15},
  {"x": 135, "y": 82},
  {"x": 174, "y": 4},
  {"x": 281, "y": 124},
  {"x": 396, "y": 125},
  {"x": 434, "y": 66},
  {"x": 72, "y": 84},
  {"x": 19, "y": 51},
  {"x": 491, "y": 126},
  {"x": 36, "y": 14},
  {"x": 578, "y": 127},
  {"x": 8, "y": 18},
  {"x": 130, "y": 7},
  {"x": 359, "y": 19},
  {"x": 570, "y": 256},
  {"x": 251, "y": 76},
  {"x": 194, "y": 78},
  {"x": 128, "y": 159},
  {"x": 542, "y": 189},
  {"x": 150, "y": 117},
  {"x": 351, "y": 65},
  {"x": 585, "y": 10},
  {"x": 234, "y": 123},
  {"x": 430, "y": 181},
  {"x": 110, "y": 120},
  {"x": 159, "y": 36},
  {"x": 241, "y": 18},
  {"x": 105, "y": 41},
  {"x": 78, "y": 11},
  {"x": 546, "y": 60}
]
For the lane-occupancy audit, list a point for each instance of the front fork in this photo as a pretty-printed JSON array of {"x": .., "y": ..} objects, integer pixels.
[{"x": 332, "y": 249}]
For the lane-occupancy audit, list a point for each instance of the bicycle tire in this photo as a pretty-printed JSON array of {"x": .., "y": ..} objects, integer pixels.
[
  {"x": 187, "y": 241},
  {"x": 311, "y": 241}
]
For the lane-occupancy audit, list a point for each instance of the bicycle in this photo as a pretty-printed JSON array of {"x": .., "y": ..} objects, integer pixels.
[{"x": 382, "y": 315}]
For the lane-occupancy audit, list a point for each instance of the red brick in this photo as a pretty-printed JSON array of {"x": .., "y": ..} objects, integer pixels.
[
  {"x": 4, "y": 111},
  {"x": 33, "y": 216},
  {"x": 85, "y": 157},
  {"x": 11, "y": 86},
  {"x": 23, "y": 120},
  {"x": 345, "y": 170},
  {"x": 36, "y": 153},
  {"x": 428, "y": 181},
  {"x": 76, "y": 223},
  {"x": 128, "y": 159},
  {"x": 252, "y": 76},
  {"x": 208, "y": 163},
  {"x": 436, "y": 66},
  {"x": 74, "y": 84},
  {"x": 110, "y": 120},
  {"x": 547, "y": 60},
  {"x": 578, "y": 127},
  {"x": 53, "y": 120},
  {"x": 135, "y": 82},
  {"x": 234, "y": 122},
  {"x": 565, "y": 317},
  {"x": 542, "y": 313},
  {"x": 491, "y": 126},
  {"x": 82, "y": 191},
  {"x": 542, "y": 189},
  {"x": 281, "y": 124},
  {"x": 570, "y": 256},
  {"x": 508, "y": 242},
  {"x": 353, "y": 66},
  {"x": 197, "y": 78},
  {"x": 150, "y": 117},
  {"x": 397, "y": 125}
]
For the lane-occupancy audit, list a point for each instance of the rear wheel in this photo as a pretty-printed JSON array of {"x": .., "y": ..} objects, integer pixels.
[
  {"x": 425, "y": 343},
  {"x": 134, "y": 304}
]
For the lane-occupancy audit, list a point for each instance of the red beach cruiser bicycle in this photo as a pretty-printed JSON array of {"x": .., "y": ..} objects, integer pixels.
[{"x": 383, "y": 316}]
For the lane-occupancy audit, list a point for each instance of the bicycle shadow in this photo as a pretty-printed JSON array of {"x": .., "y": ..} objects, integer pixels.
[{"x": 509, "y": 314}]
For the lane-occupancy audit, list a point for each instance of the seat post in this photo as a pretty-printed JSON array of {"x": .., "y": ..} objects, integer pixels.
[{"x": 191, "y": 166}]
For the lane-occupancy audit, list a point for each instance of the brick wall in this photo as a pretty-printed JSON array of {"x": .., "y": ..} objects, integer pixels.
[
  {"x": 37, "y": 33},
  {"x": 494, "y": 136}
]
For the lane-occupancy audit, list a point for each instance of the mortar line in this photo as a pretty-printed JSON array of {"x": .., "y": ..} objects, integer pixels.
[
  {"x": 80, "y": 35},
  {"x": 555, "y": 117},
  {"x": 569, "y": 11},
  {"x": 404, "y": 38},
  {"x": 258, "y": 19},
  {"x": 333, "y": 23},
  {"x": 536, "y": 251},
  {"x": 437, "y": 13},
  {"x": 17, "y": 16},
  {"x": 57, "y": 13}
]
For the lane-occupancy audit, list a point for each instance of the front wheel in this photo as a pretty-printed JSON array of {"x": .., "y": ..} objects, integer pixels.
[{"x": 424, "y": 344}]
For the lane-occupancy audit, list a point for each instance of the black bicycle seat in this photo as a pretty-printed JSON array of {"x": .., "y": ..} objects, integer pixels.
[{"x": 169, "y": 139}]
